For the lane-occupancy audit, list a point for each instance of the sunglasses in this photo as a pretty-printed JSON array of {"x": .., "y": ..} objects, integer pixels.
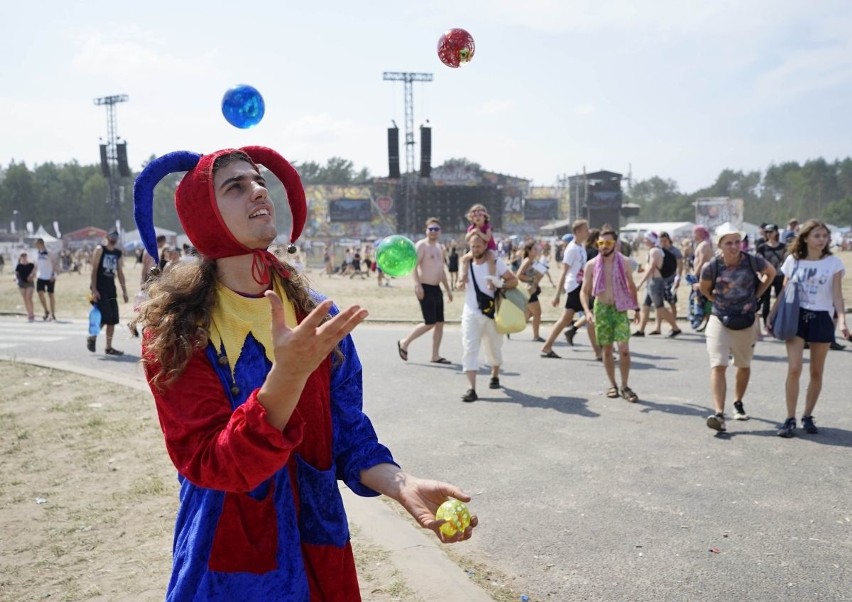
[
  {"x": 434, "y": 228},
  {"x": 605, "y": 243}
]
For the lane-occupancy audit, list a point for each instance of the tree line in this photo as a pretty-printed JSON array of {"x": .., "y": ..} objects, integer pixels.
[
  {"x": 75, "y": 195},
  {"x": 815, "y": 189}
]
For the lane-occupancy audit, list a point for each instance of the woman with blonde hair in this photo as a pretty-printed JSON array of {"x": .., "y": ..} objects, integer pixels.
[{"x": 818, "y": 274}]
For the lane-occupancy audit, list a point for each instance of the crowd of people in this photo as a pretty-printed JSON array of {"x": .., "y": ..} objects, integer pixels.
[{"x": 734, "y": 286}]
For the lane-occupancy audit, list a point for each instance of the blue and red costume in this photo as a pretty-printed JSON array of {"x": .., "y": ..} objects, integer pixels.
[{"x": 261, "y": 517}]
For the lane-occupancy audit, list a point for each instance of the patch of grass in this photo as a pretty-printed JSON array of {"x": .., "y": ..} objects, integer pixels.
[{"x": 150, "y": 484}]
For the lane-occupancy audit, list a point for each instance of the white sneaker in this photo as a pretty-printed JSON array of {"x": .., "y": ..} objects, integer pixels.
[
  {"x": 739, "y": 411},
  {"x": 716, "y": 422}
]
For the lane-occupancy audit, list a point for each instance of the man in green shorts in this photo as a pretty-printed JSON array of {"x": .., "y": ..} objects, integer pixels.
[{"x": 609, "y": 279}]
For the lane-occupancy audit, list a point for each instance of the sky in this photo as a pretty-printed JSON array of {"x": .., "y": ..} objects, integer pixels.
[{"x": 671, "y": 88}]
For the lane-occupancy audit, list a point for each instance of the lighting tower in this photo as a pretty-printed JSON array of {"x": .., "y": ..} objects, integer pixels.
[
  {"x": 112, "y": 165},
  {"x": 408, "y": 77}
]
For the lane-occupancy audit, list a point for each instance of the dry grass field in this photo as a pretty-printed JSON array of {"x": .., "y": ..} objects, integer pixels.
[{"x": 386, "y": 303}]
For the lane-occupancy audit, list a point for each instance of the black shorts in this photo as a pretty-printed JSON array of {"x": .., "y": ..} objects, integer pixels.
[
  {"x": 109, "y": 310},
  {"x": 534, "y": 295},
  {"x": 815, "y": 326},
  {"x": 45, "y": 285},
  {"x": 432, "y": 304},
  {"x": 572, "y": 300}
]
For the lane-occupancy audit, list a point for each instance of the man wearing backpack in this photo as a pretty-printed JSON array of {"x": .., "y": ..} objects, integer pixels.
[
  {"x": 672, "y": 272},
  {"x": 655, "y": 291},
  {"x": 734, "y": 281}
]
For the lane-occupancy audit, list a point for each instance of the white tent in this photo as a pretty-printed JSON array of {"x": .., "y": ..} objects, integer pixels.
[
  {"x": 133, "y": 235},
  {"x": 53, "y": 244},
  {"x": 677, "y": 230}
]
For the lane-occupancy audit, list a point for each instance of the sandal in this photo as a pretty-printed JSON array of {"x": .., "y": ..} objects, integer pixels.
[
  {"x": 628, "y": 394},
  {"x": 403, "y": 353},
  {"x": 441, "y": 360},
  {"x": 550, "y": 354},
  {"x": 113, "y": 351},
  {"x": 612, "y": 392}
]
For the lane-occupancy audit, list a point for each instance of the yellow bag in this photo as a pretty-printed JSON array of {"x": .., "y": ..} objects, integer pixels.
[{"x": 511, "y": 314}]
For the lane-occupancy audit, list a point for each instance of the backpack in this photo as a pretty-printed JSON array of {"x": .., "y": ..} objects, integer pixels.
[{"x": 669, "y": 266}]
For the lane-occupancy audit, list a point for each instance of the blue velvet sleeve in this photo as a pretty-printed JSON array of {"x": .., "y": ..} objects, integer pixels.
[{"x": 356, "y": 446}]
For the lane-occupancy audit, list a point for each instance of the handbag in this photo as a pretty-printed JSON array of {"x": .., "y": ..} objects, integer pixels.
[
  {"x": 785, "y": 322},
  {"x": 487, "y": 305},
  {"x": 511, "y": 314}
]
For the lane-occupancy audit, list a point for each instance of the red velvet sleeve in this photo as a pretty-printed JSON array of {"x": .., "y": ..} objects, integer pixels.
[{"x": 210, "y": 444}]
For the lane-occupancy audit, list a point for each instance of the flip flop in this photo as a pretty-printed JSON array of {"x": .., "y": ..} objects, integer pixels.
[
  {"x": 403, "y": 354},
  {"x": 440, "y": 360},
  {"x": 551, "y": 354}
]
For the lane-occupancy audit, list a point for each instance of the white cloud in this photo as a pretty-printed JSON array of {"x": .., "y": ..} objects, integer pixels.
[{"x": 134, "y": 56}]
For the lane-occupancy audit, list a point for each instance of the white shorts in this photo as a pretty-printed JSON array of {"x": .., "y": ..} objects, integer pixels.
[{"x": 479, "y": 331}]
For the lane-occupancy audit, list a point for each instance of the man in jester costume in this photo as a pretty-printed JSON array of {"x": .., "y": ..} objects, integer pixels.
[{"x": 258, "y": 388}]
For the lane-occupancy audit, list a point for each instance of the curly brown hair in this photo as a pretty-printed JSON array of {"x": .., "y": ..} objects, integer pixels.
[
  {"x": 798, "y": 247},
  {"x": 177, "y": 316}
]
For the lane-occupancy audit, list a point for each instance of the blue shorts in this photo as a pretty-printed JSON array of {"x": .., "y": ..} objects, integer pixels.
[{"x": 815, "y": 326}]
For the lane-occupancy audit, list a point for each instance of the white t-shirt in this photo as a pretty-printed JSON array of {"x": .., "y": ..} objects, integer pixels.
[
  {"x": 575, "y": 258},
  {"x": 816, "y": 278},
  {"x": 44, "y": 263},
  {"x": 480, "y": 271}
]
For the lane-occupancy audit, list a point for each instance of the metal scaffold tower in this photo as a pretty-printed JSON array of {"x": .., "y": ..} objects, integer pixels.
[
  {"x": 407, "y": 78},
  {"x": 110, "y": 162}
]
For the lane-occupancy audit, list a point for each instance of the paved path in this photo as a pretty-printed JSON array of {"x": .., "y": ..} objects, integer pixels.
[{"x": 581, "y": 497}]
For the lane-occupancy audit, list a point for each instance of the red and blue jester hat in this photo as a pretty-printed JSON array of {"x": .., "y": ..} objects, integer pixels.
[{"x": 195, "y": 202}]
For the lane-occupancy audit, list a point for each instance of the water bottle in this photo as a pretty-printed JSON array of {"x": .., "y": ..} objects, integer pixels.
[{"x": 94, "y": 320}]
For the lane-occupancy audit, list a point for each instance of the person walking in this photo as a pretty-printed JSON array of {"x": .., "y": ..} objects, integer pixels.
[
  {"x": 734, "y": 282},
  {"x": 672, "y": 279},
  {"x": 775, "y": 252},
  {"x": 429, "y": 275},
  {"x": 453, "y": 266},
  {"x": 608, "y": 279},
  {"x": 25, "y": 276},
  {"x": 701, "y": 256},
  {"x": 106, "y": 266},
  {"x": 477, "y": 322},
  {"x": 530, "y": 272},
  {"x": 819, "y": 275},
  {"x": 655, "y": 290},
  {"x": 573, "y": 261},
  {"x": 48, "y": 269}
]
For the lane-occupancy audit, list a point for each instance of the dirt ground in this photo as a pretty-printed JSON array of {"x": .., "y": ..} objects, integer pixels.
[{"x": 88, "y": 495}]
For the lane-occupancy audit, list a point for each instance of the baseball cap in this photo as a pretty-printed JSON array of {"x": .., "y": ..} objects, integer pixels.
[{"x": 770, "y": 228}]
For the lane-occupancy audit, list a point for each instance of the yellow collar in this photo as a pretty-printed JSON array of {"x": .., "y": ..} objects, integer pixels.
[{"x": 235, "y": 317}]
